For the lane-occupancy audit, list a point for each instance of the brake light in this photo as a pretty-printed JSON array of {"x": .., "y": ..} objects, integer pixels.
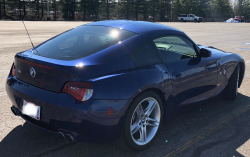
[
  {"x": 80, "y": 91},
  {"x": 13, "y": 70}
]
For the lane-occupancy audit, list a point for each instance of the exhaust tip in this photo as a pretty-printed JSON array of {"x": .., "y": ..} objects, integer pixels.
[
  {"x": 70, "y": 137},
  {"x": 61, "y": 135},
  {"x": 14, "y": 111}
]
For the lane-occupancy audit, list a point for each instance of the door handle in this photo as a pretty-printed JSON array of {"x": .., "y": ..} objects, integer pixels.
[{"x": 176, "y": 74}]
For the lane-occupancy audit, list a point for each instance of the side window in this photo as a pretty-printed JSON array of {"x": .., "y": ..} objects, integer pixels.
[
  {"x": 145, "y": 54},
  {"x": 175, "y": 48}
]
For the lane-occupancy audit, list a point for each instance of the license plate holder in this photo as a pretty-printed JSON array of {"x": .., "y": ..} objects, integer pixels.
[{"x": 31, "y": 110}]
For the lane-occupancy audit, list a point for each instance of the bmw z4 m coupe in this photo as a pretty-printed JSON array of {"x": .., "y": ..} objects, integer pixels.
[{"x": 117, "y": 80}]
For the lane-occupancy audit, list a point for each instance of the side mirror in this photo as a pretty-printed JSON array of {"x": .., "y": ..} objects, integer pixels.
[{"x": 205, "y": 53}]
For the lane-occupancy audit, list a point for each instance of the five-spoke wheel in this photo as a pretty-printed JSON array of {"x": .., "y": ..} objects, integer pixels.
[
  {"x": 142, "y": 121},
  {"x": 145, "y": 121}
]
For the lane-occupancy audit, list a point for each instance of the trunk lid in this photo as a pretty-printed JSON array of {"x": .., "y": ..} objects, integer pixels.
[{"x": 41, "y": 74}]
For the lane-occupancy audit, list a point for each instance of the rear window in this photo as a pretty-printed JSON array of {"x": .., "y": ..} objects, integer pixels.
[{"x": 81, "y": 42}]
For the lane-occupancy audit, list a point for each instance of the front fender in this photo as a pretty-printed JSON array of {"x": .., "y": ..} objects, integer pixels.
[
  {"x": 226, "y": 66},
  {"x": 229, "y": 63}
]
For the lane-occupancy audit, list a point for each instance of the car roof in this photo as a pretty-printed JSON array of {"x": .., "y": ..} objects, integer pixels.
[{"x": 138, "y": 27}]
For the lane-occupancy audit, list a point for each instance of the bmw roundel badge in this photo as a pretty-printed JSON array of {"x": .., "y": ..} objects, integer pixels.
[{"x": 32, "y": 72}]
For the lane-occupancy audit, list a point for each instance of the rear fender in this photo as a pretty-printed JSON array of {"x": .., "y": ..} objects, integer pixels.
[{"x": 128, "y": 85}]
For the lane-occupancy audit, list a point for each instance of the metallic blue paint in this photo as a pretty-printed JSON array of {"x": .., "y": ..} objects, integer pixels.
[
  {"x": 116, "y": 81},
  {"x": 138, "y": 27}
]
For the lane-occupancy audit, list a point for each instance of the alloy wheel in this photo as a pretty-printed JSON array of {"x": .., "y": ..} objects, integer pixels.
[{"x": 145, "y": 121}]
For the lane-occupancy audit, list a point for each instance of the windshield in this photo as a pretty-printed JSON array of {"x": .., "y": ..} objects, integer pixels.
[{"x": 81, "y": 42}]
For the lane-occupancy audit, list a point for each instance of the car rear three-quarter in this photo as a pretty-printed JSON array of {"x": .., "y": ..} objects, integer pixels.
[
  {"x": 81, "y": 83},
  {"x": 63, "y": 80},
  {"x": 117, "y": 79}
]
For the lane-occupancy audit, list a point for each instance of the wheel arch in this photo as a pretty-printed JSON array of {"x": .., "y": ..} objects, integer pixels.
[
  {"x": 229, "y": 63},
  {"x": 160, "y": 93}
]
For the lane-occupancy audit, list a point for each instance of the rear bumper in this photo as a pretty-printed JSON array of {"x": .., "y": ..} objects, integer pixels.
[{"x": 60, "y": 112}]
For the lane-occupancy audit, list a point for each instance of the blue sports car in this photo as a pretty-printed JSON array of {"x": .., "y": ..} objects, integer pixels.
[{"x": 117, "y": 81}]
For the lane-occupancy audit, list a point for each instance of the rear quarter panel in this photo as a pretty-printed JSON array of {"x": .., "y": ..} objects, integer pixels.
[{"x": 127, "y": 85}]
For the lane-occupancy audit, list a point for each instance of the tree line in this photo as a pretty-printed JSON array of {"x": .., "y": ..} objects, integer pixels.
[{"x": 147, "y": 10}]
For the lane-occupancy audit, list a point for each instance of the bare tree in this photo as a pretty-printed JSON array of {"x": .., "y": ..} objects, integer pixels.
[
  {"x": 84, "y": 6},
  {"x": 55, "y": 10},
  {"x": 19, "y": 8},
  {"x": 127, "y": 7},
  {"x": 136, "y": 12},
  {"x": 4, "y": 11},
  {"x": 107, "y": 1},
  {"x": 24, "y": 10},
  {"x": 42, "y": 9},
  {"x": 37, "y": 9},
  {"x": 153, "y": 10},
  {"x": 73, "y": 9},
  {"x": 145, "y": 10}
]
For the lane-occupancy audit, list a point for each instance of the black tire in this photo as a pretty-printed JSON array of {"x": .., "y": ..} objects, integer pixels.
[
  {"x": 182, "y": 20},
  {"x": 231, "y": 90},
  {"x": 195, "y": 20},
  {"x": 126, "y": 141}
]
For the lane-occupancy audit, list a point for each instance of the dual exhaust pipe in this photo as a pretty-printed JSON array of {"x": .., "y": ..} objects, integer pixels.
[
  {"x": 14, "y": 111},
  {"x": 68, "y": 136}
]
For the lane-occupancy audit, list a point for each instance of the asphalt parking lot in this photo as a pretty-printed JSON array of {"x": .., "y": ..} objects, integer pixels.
[{"x": 216, "y": 128}]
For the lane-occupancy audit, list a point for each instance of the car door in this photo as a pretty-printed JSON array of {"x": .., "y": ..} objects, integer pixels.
[
  {"x": 193, "y": 77},
  {"x": 146, "y": 55},
  {"x": 191, "y": 18}
]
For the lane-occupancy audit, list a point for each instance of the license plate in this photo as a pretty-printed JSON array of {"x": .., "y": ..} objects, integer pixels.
[{"x": 31, "y": 110}]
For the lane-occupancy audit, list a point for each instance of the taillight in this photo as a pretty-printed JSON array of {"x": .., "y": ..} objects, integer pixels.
[
  {"x": 80, "y": 91},
  {"x": 13, "y": 70}
]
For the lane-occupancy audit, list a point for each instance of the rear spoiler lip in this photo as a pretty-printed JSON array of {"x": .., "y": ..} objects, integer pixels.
[{"x": 34, "y": 64}]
